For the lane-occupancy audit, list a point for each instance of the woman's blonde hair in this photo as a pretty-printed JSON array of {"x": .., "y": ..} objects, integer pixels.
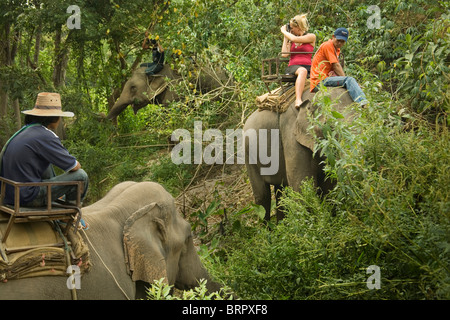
[{"x": 301, "y": 22}]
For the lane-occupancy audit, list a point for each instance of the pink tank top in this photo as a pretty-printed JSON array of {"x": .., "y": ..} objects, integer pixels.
[{"x": 302, "y": 58}]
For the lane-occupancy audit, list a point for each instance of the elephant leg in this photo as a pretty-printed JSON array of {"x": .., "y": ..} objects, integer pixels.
[
  {"x": 261, "y": 192},
  {"x": 325, "y": 184},
  {"x": 263, "y": 197},
  {"x": 260, "y": 187},
  {"x": 280, "y": 209},
  {"x": 300, "y": 166}
]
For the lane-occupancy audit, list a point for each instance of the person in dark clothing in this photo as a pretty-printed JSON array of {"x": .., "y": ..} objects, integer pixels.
[{"x": 157, "y": 53}]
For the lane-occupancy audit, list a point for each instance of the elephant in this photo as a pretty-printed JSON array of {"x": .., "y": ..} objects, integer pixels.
[
  {"x": 141, "y": 89},
  {"x": 142, "y": 217},
  {"x": 295, "y": 146}
]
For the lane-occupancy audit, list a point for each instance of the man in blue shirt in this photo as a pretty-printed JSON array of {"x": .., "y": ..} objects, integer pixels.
[{"x": 29, "y": 155}]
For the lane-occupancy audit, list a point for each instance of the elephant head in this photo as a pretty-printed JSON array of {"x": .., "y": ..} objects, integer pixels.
[
  {"x": 140, "y": 90},
  {"x": 158, "y": 244}
]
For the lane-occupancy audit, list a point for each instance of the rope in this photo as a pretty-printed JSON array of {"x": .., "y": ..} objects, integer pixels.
[
  {"x": 96, "y": 252},
  {"x": 104, "y": 264},
  {"x": 67, "y": 249}
]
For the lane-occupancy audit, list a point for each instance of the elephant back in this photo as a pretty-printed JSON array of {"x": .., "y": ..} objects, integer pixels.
[
  {"x": 277, "y": 100},
  {"x": 157, "y": 83},
  {"x": 280, "y": 99}
]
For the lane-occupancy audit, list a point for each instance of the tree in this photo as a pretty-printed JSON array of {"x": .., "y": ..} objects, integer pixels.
[{"x": 9, "y": 40}]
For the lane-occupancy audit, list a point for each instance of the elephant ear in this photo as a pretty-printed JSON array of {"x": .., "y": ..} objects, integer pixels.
[
  {"x": 342, "y": 109},
  {"x": 302, "y": 124},
  {"x": 157, "y": 84},
  {"x": 144, "y": 234}
]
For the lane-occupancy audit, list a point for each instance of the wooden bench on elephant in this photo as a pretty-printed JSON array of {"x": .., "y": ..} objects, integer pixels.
[
  {"x": 58, "y": 210},
  {"x": 270, "y": 70}
]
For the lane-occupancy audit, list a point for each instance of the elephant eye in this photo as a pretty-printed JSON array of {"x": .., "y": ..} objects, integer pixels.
[{"x": 133, "y": 88}]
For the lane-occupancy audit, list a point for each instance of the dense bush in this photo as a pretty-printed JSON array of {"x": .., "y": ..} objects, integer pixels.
[
  {"x": 159, "y": 290},
  {"x": 390, "y": 209}
]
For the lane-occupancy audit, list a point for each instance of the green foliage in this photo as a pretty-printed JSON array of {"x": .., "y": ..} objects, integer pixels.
[
  {"x": 159, "y": 290},
  {"x": 18, "y": 82},
  {"x": 173, "y": 177},
  {"x": 415, "y": 71},
  {"x": 390, "y": 208},
  {"x": 201, "y": 217},
  {"x": 7, "y": 129}
]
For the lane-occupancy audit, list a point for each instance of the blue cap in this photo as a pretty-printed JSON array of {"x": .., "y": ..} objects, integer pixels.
[{"x": 341, "y": 34}]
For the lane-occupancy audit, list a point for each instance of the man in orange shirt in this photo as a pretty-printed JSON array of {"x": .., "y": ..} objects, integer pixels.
[{"x": 326, "y": 69}]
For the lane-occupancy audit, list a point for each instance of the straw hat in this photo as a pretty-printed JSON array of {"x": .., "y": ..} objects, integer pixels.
[{"x": 48, "y": 104}]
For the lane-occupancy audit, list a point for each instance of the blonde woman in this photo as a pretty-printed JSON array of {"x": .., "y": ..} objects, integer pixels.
[{"x": 297, "y": 39}]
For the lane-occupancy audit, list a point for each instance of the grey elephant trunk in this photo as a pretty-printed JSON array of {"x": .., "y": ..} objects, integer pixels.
[
  {"x": 183, "y": 284},
  {"x": 118, "y": 107},
  {"x": 140, "y": 90},
  {"x": 191, "y": 269}
]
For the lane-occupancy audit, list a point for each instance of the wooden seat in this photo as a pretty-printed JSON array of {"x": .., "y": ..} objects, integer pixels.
[
  {"x": 58, "y": 210},
  {"x": 270, "y": 69}
]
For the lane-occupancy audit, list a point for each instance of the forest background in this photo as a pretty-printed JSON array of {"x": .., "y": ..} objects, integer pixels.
[{"x": 391, "y": 204}]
